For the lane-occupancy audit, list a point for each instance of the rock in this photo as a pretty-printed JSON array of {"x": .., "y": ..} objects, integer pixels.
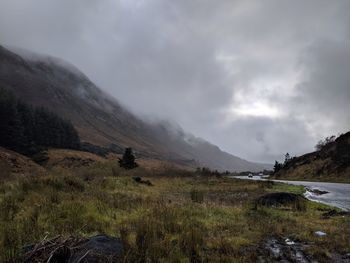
[
  {"x": 341, "y": 258},
  {"x": 99, "y": 248},
  {"x": 147, "y": 182},
  {"x": 334, "y": 213},
  {"x": 320, "y": 233},
  {"x": 96, "y": 249},
  {"x": 289, "y": 242},
  {"x": 277, "y": 250},
  {"x": 282, "y": 199},
  {"x": 139, "y": 180},
  {"x": 316, "y": 191},
  {"x": 60, "y": 255}
]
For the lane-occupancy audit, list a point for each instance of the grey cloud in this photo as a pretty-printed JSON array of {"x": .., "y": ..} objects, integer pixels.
[
  {"x": 196, "y": 62},
  {"x": 272, "y": 137},
  {"x": 325, "y": 91}
]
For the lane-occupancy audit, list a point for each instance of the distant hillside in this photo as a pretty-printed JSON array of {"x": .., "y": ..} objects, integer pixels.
[
  {"x": 331, "y": 163},
  {"x": 100, "y": 119}
]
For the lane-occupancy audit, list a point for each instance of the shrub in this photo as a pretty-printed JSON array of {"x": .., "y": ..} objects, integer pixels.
[{"x": 197, "y": 196}]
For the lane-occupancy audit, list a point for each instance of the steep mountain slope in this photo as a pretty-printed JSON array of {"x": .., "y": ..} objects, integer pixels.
[
  {"x": 331, "y": 163},
  {"x": 100, "y": 119}
]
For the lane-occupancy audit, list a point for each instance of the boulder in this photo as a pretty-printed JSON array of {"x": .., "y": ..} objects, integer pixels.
[
  {"x": 333, "y": 213},
  {"x": 96, "y": 249},
  {"x": 139, "y": 180},
  {"x": 282, "y": 200}
]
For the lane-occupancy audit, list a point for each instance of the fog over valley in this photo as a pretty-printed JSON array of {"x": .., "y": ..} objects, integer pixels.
[{"x": 256, "y": 78}]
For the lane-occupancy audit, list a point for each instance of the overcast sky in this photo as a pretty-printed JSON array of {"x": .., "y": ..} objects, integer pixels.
[{"x": 257, "y": 78}]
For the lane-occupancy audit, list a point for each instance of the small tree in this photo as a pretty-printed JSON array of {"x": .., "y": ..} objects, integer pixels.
[
  {"x": 323, "y": 143},
  {"x": 278, "y": 166},
  {"x": 286, "y": 158},
  {"x": 128, "y": 160}
]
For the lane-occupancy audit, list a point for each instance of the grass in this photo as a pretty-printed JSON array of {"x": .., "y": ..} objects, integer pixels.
[
  {"x": 183, "y": 217},
  {"x": 281, "y": 187}
]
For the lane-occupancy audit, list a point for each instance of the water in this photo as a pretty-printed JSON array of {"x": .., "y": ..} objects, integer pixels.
[{"x": 338, "y": 193}]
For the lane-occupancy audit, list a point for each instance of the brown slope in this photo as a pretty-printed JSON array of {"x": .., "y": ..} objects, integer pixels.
[
  {"x": 99, "y": 119},
  {"x": 331, "y": 163},
  {"x": 13, "y": 164}
]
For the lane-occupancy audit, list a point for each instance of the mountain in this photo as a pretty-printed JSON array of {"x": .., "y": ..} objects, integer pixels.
[
  {"x": 330, "y": 163},
  {"x": 99, "y": 119}
]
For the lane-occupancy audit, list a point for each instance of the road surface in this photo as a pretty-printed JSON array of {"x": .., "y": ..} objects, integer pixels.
[{"x": 338, "y": 193}]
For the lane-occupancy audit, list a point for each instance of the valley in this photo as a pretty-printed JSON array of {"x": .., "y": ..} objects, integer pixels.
[
  {"x": 183, "y": 216},
  {"x": 180, "y": 214},
  {"x": 63, "y": 190},
  {"x": 85, "y": 179}
]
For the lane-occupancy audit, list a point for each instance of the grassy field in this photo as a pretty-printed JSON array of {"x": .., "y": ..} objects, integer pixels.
[{"x": 183, "y": 217}]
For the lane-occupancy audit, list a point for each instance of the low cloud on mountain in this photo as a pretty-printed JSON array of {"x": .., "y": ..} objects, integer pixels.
[{"x": 257, "y": 78}]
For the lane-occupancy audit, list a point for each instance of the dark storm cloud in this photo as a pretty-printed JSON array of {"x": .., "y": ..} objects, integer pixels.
[{"x": 258, "y": 78}]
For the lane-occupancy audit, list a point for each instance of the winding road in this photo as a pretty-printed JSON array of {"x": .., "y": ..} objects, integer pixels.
[{"x": 338, "y": 193}]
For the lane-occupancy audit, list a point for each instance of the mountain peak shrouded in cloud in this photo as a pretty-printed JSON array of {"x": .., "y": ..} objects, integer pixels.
[
  {"x": 256, "y": 78},
  {"x": 101, "y": 121}
]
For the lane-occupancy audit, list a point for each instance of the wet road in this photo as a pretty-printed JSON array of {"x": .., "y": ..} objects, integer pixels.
[{"x": 338, "y": 193}]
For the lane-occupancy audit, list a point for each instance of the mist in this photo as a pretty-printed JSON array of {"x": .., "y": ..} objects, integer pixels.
[{"x": 258, "y": 79}]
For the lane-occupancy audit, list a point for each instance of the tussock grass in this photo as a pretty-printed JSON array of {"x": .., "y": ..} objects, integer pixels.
[{"x": 183, "y": 217}]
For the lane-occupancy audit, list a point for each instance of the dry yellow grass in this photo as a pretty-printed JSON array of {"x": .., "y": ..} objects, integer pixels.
[
  {"x": 65, "y": 158},
  {"x": 183, "y": 217},
  {"x": 71, "y": 158},
  {"x": 13, "y": 164}
]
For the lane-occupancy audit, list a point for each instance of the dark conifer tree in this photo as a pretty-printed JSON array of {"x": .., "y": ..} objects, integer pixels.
[
  {"x": 26, "y": 116},
  {"x": 286, "y": 158},
  {"x": 278, "y": 166},
  {"x": 11, "y": 130},
  {"x": 27, "y": 130},
  {"x": 128, "y": 159}
]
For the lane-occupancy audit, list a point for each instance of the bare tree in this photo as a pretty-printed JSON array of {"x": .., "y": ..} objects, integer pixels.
[{"x": 323, "y": 143}]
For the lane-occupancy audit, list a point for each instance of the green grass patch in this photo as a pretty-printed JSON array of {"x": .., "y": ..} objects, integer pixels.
[{"x": 283, "y": 187}]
